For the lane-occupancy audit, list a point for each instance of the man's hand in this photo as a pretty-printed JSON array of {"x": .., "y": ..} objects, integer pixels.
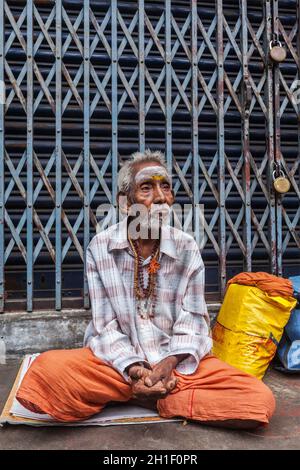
[
  {"x": 162, "y": 373},
  {"x": 137, "y": 372},
  {"x": 155, "y": 383},
  {"x": 140, "y": 391}
]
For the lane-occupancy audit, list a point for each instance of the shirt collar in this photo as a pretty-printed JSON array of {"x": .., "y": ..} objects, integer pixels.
[{"x": 120, "y": 241}]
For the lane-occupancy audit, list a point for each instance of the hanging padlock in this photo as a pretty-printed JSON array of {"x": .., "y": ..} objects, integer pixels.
[
  {"x": 281, "y": 183},
  {"x": 277, "y": 51}
]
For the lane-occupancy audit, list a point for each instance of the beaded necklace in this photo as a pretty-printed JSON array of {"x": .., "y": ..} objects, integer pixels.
[{"x": 146, "y": 296}]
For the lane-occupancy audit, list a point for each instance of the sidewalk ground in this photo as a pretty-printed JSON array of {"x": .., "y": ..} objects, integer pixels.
[{"x": 282, "y": 433}]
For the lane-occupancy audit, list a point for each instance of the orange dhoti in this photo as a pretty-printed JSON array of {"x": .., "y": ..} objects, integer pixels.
[{"x": 72, "y": 385}]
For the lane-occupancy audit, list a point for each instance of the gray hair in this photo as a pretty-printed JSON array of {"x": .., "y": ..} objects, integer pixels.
[{"x": 125, "y": 177}]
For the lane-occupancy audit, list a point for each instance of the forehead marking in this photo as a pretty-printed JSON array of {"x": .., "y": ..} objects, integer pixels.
[
  {"x": 157, "y": 177},
  {"x": 153, "y": 172}
]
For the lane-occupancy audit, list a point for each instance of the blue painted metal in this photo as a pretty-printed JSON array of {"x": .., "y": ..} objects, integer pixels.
[
  {"x": 106, "y": 78},
  {"x": 221, "y": 149},
  {"x": 58, "y": 156},
  {"x": 114, "y": 110},
  {"x": 141, "y": 57},
  {"x": 168, "y": 85},
  {"x": 86, "y": 158},
  {"x": 2, "y": 149},
  {"x": 29, "y": 158},
  {"x": 287, "y": 116},
  {"x": 195, "y": 125},
  {"x": 270, "y": 139},
  {"x": 246, "y": 137},
  {"x": 277, "y": 151}
]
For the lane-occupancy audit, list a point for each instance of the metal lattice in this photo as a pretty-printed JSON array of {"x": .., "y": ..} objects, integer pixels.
[
  {"x": 287, "y": 143},
  {"x": 89, "y": 82}
]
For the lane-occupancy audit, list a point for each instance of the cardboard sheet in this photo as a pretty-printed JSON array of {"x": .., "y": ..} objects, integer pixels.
[{"x": 14, "y": 413}]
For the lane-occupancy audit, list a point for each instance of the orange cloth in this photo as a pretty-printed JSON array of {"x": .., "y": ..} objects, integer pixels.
[
  {"x": 273, "y": 285},
  {"x": 72, "y": 385}
]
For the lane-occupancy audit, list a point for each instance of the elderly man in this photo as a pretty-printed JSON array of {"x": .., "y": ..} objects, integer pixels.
[{"x": 149, "y": 339}]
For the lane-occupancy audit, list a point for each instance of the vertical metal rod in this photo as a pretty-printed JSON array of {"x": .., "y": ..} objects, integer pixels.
[
  {"x": 195, "y": 145},
  {"x": 29, "y": 189},
  {"x": 277, "y": 144},
  {"x": 220, "y": 98},
  {"x": 86, "y": 142},
  {"x": 141, "y": 75},
  {"x": 245, "y": 135},
  {"x": 114, "y": 92},
  {"x": 2, "y": 142},
  {"x": 270, "y": 137},
  {"x": 168, "y": 84},
  {"x": 298, "y": 77},
  {"x": 58, "y": 161}
]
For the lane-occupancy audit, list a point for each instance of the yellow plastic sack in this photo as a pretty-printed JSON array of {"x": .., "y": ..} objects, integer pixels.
[{"x": 249, "y": 327}]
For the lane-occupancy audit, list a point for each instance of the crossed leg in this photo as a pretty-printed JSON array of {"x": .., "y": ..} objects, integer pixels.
[
  {"x": 72, "y": 385},
  {"x": 220, "y": 395}
]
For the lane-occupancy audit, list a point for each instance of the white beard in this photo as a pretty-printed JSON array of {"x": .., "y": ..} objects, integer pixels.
[
  {"x": 155, "y": 218},
  {"x": 148, "y": 220}
]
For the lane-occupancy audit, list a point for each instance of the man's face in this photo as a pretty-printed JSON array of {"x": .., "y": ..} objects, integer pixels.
[
  {"x": 152, "y": 185},
  {"x": 152, "y": 189}
]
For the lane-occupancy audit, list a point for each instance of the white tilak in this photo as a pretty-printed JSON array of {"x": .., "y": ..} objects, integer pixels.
[{"x": 152, "y": 172}]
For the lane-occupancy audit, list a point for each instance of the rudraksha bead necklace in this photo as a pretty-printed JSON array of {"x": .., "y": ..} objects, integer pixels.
[{"x": 146, "y": 296}]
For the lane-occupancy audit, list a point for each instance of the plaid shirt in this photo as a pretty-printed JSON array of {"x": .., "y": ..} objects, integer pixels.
[{"x": 117, "y": 334}]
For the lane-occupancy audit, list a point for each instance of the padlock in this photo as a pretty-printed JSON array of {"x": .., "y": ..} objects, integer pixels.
[
  {"x": 281, "y": 183},
  {"x": 277, "y": 52}
]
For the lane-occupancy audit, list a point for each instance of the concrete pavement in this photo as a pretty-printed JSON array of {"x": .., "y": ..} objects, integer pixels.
[{"x": 282, "y": 433}]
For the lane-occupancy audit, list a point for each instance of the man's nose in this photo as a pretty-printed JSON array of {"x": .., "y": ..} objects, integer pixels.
[{"x": 159, "y": 196}]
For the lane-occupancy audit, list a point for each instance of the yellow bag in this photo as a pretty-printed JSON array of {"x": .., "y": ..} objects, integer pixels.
[{"x": 249, "y": 327}]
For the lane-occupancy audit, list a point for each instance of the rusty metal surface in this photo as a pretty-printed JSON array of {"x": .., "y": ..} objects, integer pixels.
[
  {"x": 287, "y": 156},
  {"x": 88, "y": 82}
]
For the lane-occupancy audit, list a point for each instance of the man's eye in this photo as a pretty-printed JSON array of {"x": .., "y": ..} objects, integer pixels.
[
  {"x": 166, "y": 186},
  {"x": 146, "y": 187}
]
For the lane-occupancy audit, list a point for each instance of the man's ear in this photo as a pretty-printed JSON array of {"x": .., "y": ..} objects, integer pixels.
[{"x": 123, "y": 202}]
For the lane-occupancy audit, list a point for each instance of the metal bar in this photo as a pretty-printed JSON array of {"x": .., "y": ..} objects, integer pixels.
[
  {"x": 2, "y": 142},
  {"x": 19, "y": 23},
  {"x": 100, "y": 85},
  {"x": 8, "y": 44},
  {"x": 14, "y": 25},
  {"x": 270, "y": 138},
  {"x": 86, "y": 149},
  {"x": 245, "y": 136},
  {"x": 128, "y": 84},
  {"x": 195, "y": 146},
  {"x": 221, "y": 150},
  {"x": 168, "y": 84},
  {"x": 72, "y": 83},
  {"x": 154, "y": 100},
  {"x": 182, "y": 86},
  {"x": 142, "y": 75},
  {"x": 277, "y": 151},
  {"x": 29, "y": 188},
  {"x": 291, "y": 220},
  {"x": 58, "y": 157},
  {"x": 156, "y": 83},
  {"x": 297, "y": 215},
  {"x": 114, "y": 98}
]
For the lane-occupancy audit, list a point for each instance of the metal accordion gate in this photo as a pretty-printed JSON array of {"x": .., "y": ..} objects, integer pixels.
[{"x": 87, "y": 82}]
